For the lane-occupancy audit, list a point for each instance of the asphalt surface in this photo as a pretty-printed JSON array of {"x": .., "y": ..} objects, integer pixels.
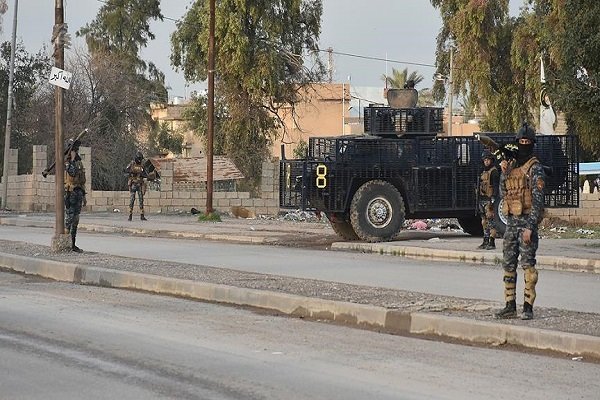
[{"x": 556, "y": 330}]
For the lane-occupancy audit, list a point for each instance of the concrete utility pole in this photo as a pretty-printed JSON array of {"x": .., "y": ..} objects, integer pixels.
[
  {"x": 210, "y": 109},
  {"x": 9, "y": 98},
  {"x": 59, "y": 62}
]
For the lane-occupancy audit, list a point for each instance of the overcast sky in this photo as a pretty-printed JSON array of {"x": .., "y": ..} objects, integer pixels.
[{"x": 403, "y": 31}]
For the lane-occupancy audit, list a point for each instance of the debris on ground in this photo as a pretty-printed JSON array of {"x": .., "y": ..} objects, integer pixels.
[
  {"x": 559, "y": 229},
  {"x": 585, "y": 231},
  {"x": 419, "y": 225},
  {"x": 303, "y": 216}
]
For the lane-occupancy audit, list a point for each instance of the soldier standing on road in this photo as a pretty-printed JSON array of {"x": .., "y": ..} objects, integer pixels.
[
  {"x": 522, "y": 188},
  {"x": 488, "y": 195},
  {"x": 136, "y": 184},
  {"x": 74, "y": 190}
]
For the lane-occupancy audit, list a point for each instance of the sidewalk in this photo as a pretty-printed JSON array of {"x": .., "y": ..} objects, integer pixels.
[{"x": 393, "y": 311}]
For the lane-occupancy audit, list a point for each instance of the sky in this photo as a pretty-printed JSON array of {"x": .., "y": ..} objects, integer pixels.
[{"x": 401, "y": 31}]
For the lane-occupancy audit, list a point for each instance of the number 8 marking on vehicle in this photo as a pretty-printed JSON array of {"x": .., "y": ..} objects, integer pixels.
[{"x": 321, "y": 173}]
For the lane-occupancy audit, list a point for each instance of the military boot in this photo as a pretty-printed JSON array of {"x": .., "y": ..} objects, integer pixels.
[
  {"x": 484, "y": 244},
  {"x": 527, "y": 311},
  {"x": 130, "y": 217},
  {"x": 509, "y": 311},
  {"x": 143, "y": 218},
  {"x": 491, "y": 244},
  {"x": 75, "y": 248}
]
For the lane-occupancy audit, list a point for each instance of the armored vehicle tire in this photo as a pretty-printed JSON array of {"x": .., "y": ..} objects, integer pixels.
[
  {"x": 377, "y": 211},
  {"x": 500, "y": 220},
  {"x": 471, "y": 225},
  {"x": 342, "y": 227}
]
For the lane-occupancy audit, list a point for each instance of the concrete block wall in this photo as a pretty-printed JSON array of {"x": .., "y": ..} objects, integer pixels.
[
  {"x": 588, "y": 211},
  {"x": 36, "y": 193}
]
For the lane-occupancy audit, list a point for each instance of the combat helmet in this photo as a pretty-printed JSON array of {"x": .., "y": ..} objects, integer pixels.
[
  {"x": 138, "y": 157},
  {"x": 486, "y": 153},
  {"x": 526, "y": 132}
]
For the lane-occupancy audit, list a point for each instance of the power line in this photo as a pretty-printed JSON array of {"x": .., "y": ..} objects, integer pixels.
[{"x": 376, "y": 58}]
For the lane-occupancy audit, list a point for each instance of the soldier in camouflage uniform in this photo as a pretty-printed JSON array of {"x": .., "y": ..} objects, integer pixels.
[
  {"x": 74, "y": 190},
  {"x": 522, "y": 188},
  {"x": 136, "y": 184},
  {"x": 488, "y": 195}
]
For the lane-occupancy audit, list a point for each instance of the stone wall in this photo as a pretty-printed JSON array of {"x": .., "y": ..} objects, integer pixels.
[{"x": 36, "y": 193}]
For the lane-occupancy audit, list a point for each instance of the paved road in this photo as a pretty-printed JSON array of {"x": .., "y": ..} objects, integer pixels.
[
  {"x": 565, "y": 290},
  {"x": 62, "y": 341}
]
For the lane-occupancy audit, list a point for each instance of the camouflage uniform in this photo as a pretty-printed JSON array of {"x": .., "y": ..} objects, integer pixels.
[
  {"x": 522, "y": 188},
  {"x": 488, "y": 195},
  {"x": 74, "y": 194},
  {"x": 136, "y": 184}
]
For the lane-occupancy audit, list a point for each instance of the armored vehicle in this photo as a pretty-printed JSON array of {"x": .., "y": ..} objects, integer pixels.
[{"x": 402, "y": 168}]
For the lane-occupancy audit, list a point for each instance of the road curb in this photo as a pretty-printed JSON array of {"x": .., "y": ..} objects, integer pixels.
[
  {"x": 494, "y": 258},
  {"x": 350, "y": 314}
]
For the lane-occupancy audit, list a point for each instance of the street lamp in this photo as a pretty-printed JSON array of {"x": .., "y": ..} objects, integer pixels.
[
  {"x": 344, "y": 104},
  {"x": 448, "y": 79}
]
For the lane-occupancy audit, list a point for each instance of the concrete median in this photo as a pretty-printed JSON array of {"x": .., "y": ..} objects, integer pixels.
[{"x": 350, "y": 314}]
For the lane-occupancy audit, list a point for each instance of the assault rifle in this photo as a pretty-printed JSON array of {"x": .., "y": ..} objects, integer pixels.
[
  {"x": 501, "y": 152},
  {"x": 67, "y": 151},
  {"x": 504, "y": 152}
]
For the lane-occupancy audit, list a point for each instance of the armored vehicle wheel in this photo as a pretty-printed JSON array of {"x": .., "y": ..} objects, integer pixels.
[
  {"x": 500, "y": 219},
  {"x": 342, "y": 227},
  {"x": 471, "y": 225},
  {"x": 377, "y": 211}
]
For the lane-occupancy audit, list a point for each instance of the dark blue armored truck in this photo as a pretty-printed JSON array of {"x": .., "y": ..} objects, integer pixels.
[{"x": 402, "y": 168}]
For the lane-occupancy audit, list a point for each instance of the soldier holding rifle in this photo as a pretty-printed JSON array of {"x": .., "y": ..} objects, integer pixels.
[
  {"x": 488, "y": 195},
  {"x": 136, "y": 173},
  {"x": 522, "y": 184},
  {"x": 74, "y": 189}
]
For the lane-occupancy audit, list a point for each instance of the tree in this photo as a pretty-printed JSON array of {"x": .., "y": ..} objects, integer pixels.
[
  {"x": 482, "y": 36},
  {"x": 3, "y": 9},
  {"x": 121, "y": 29},
  {"x": 163, "y": 138},
  {"x": 569, "y": 36},
  {"x": 30, "y": 75},
  {"x": 399, "y": 78},
  {"x": 260, "y": 67}
]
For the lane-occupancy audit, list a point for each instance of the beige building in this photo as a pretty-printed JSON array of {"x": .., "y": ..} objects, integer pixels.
[{"x": 323, "y": 112}]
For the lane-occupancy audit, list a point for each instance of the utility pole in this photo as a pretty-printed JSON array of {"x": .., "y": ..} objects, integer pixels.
[
  {"x": 7, "y": 132},
  {"x": 210, "y": 109},
  {"x": 450, "y": 93},
  {"x": 59, "y": 62},
  {"x": 330, "y": 67}
]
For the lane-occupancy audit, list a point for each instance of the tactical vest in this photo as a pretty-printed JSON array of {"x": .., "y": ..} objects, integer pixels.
[
  {"x": 135, "y": 174},
  {"x": 485, "y": 183},
  {"x": 77, "y": 181},
  {"x": 518, "y": 197}
]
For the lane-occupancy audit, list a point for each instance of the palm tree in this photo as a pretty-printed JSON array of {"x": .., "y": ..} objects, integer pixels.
[{"x": 399, "y": 78}]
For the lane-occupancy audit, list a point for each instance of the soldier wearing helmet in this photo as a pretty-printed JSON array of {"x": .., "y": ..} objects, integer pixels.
[
  {"x": 74, "y": 189},
  {"x": 136, "y": 172},
  {"x": 488, "y": 195},
  {"x": 522, "y": 185}
]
